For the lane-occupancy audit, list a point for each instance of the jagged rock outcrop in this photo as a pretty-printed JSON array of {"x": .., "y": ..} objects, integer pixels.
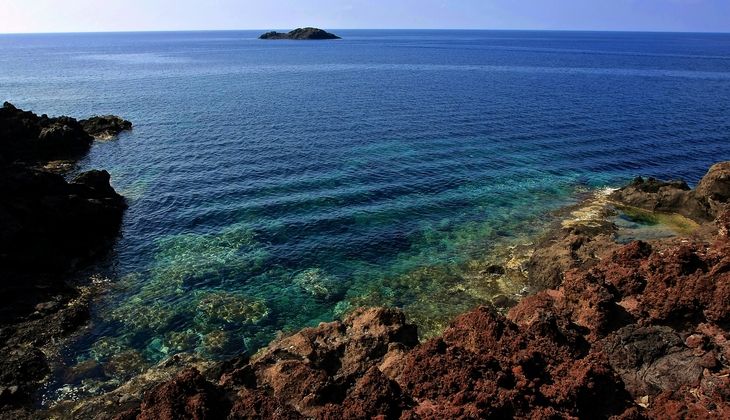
[
  {"x": 714, "y": 188},
  {"x": 659, "y": 314},
  {"x": 702, "y": 204},
  {"x": 105, "y": 126},
  {"x": 27, "y": 136},
  {"x": 301, "y": 34},
  {"x": 583, "y": 244},
  {"x": 48, "y": 225}
]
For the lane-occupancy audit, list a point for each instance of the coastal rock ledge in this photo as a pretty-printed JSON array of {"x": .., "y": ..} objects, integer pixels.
[{"x": 301, "y": 34}]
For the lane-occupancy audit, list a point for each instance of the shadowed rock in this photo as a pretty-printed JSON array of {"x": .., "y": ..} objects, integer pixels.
[
  {"x": 48, "y": 224},
  {"x": 27, "y": 136}
]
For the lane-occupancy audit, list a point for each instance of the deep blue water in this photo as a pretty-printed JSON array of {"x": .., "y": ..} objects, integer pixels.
[{"x": 274, "y": 185}]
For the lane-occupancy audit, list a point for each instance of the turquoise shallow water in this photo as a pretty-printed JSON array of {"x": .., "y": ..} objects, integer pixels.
[{"x": 274, "y": 185}]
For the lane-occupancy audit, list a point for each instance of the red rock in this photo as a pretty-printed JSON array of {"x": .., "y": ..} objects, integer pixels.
[
  {"x": 189, "y": 395},
  {"x": 255, "y": 404},
  {"x": 374, "y": 395}
]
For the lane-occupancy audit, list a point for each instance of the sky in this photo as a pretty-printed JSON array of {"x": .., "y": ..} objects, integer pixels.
[{"x": 26, "y": 16}]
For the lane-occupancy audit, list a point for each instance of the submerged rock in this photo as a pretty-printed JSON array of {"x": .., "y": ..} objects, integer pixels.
[
  {"x": 216, "y": 308},
  {"x": 319, "y": 284},
  {"x": 301, "y": 34}
]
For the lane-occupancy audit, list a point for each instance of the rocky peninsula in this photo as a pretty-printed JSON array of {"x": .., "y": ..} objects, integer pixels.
[
  {"x": 301, "y": 34},
  {"x": 616, "y": 329},
  {"x": 49, "y": 227}
]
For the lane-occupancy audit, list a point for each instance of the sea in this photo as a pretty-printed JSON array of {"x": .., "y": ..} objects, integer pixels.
[{"x": 274, "y": 185}]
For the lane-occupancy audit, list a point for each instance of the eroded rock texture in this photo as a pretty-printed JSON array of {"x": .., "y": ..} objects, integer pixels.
[
  {"x": 105, "y": 126},
  {"x": 702, "y": 204}
]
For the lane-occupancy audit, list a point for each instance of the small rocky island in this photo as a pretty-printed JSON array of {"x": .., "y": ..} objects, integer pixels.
[{"x": 301, "y": 34}]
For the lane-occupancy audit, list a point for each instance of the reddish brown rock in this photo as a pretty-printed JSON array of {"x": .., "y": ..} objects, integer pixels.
[
  {"x": 574, "y": 247},
  {"x": 255, "y": 404},
  {"x": 373, "y": 395},
  {"x": 486, "y": 366},
  {"x": 316, "y": 366},
  {"x": 188, "y": 396}
]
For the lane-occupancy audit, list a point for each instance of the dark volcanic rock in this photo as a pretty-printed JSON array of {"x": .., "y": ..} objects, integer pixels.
[
  {"x": 27, "y": 136},
  {"x": 105, "y": 126},
  {"x": 48, "y": 225},
  {"x": 21, "y": 369},
  {"x": 652, "y": 359},
  {"x": 301, "y": 34}
]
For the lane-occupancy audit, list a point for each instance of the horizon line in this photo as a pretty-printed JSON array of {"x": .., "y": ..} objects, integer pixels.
[{"x": 367, "y": 29}]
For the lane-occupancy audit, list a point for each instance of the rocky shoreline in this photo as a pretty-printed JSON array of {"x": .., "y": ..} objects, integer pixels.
[
  {"x": 637, "y": 330},
  {"x": 622, "y": 330},
  {"x": 49, "y": 227}
]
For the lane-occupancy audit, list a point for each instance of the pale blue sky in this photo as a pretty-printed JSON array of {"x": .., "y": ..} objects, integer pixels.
[{"x": 136, "y": 15}]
